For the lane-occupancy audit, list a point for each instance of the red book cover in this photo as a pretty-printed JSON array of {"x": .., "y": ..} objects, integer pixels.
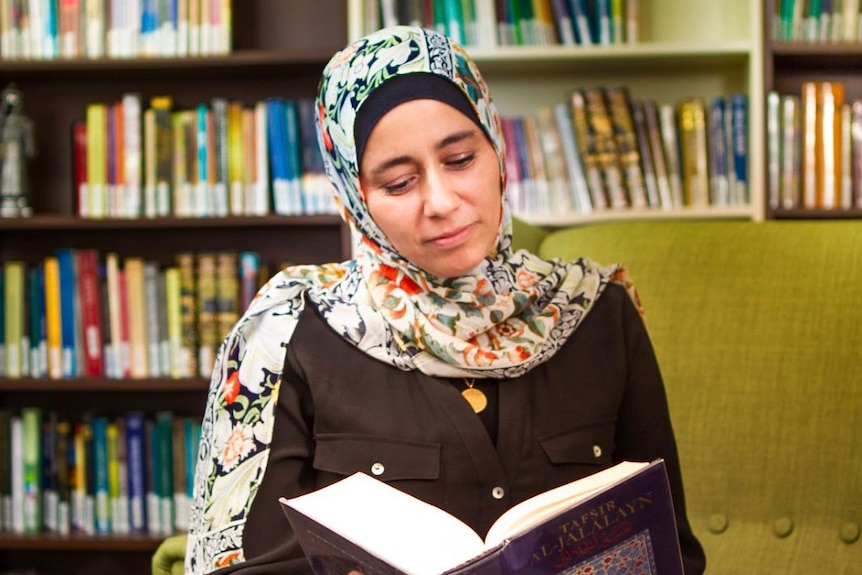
[
  {"x": 79, "y": 163},
  {"x": 91, "y": 311}
]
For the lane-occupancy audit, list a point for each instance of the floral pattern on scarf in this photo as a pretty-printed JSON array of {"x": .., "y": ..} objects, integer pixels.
[{"x": 513, "y": 313}]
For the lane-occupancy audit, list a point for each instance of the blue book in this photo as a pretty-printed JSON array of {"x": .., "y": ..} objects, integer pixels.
[
  {"x": 100, "y": 475},
  {"x": 563, "y": 21},
  {"x": 38, "y": 330},
  {"x": 719, "y": 185},
  {"x": 163, "y": 470},
  {"x": 136, "y": 471},
  {"x": 607, "y": 522},
  {"x": 293, "y": 157},
  {"x": 581, "y": 22},
  {"x": 739, "y": 123},
  {"x": 202, "y": 206},
  {"x": 601, "y": 22},
  {"x": 69, "y": 313},
  {"x": 277, "y": 136}
]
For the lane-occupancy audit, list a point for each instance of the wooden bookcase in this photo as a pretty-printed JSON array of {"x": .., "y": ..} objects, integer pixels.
[
  {"x": 688, "y": 48},
  {"x": 787, "y": 65},
  {"x": 279, "y": 49}
]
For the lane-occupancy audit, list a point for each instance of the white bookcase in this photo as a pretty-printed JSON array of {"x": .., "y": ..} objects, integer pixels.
[{"x": 687, "y": 48}]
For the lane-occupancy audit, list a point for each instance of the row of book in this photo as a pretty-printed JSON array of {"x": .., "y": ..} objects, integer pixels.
[
  {"x": 819, "y": 21},
  {"x": 814, "y": 148},
  {"x": 76, "y": 314},
  {"x": 220, "y": 158},
  {"x": 489, "y": 23},
  {"x": 605, "y": 150},
  {"x": 53, "y": 29},
  {"x": 99, "y": 474}
]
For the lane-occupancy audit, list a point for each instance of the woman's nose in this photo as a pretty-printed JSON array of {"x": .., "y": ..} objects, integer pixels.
[{"x": 440, "y": 195}]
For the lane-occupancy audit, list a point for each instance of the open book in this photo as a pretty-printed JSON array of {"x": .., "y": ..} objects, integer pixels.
[{"x": 622, "y": 517}]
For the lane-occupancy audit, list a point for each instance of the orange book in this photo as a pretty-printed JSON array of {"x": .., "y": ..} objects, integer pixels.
[
  {"x": 53, "y": 324},
  {"x": 828, "y": 143},
  {"x": 133, "y": 268}
]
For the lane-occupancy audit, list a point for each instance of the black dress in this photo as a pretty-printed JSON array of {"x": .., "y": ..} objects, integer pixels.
[{"x": 598, "y": 401}]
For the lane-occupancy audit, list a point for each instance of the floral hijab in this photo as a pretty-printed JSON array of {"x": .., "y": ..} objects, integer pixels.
[{"x": 514, "y": 312}]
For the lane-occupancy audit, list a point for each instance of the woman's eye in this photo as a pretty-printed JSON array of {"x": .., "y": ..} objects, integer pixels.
[
  {"x": 396, "y": 187},
  {"x": 461, "y": 161}
]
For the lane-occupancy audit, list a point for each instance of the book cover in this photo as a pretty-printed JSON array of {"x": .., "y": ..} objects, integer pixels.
[
  {"x": 91, "y": 311},
  {"x": 647, "y": 163},
  {"x": 791, "y": 142},
  {"x": 136, "y": 453},
  {"x": 17, "y": 344},
  {"x": 69, "y": 315},
  {"x": 578, "y": 190},
  {"x": 693, "y": 152},
  {"x": 600, "y": 123},
  {"x": 608, "y": 522},
  {"x": 622, "y": 120}
]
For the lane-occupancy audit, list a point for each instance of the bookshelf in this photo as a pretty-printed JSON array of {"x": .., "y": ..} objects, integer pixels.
[
  {"x": 710, "y": 49},
  {"x": 275, "y": 53},
  {"x": 789, "y": 63}
]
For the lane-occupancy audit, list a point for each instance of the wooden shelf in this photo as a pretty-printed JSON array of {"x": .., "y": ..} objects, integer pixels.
[
  {"x": 101, "y": 384},
  {"x": 45, "y": 222},
  {"x": 80, "y": 542},
  {"x": 705, "y": 213}
]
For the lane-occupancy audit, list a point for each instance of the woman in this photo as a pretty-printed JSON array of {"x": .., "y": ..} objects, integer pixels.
[{"x": 438, "y": 359}]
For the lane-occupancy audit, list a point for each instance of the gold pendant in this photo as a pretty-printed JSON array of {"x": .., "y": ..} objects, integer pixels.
[{"x": 475, "y": 398}]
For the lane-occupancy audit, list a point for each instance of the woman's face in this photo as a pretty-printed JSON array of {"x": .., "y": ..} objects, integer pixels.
[{"x": 431, "y": 181}]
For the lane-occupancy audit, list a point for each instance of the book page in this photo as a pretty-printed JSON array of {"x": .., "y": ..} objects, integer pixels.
[
  {"x": 543, "y": 506},
  {"x": 410, "y": 534}
]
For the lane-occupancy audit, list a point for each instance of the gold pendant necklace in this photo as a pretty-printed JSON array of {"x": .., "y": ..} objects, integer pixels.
[{"x": 474, "y": 397}]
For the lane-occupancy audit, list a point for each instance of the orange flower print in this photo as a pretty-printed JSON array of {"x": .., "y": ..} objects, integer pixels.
[
  {"x": 521, "y": 353},
  {"x": 408, "y": 285},
  {"x": 239, "y": 444},
  {"x": 327, "y": 141},
  {"x": 230, "y": 388},
  {"x": 525, "y": 279},
  {"x": 228, "y": 558}
]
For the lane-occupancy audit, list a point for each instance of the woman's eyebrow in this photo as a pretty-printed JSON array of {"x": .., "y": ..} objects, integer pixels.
[{"x": 455, "y": 138}]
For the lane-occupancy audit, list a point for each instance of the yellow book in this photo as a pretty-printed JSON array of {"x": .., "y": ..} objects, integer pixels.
[
  {"x": 693, "y": 152},
  {"x": 188, "y": 313},
  {"x": 133, "y": 268},
  {"x": 175, "y": 321},
  {"x": 52, "y": 318},
  {"x": 17, "y": 346},
  {"x": 97, "y": 160},
  {"x": 207, "y": 305},
  {"x": 117, "y": 352},
  {"x": 236, "y": 158}
]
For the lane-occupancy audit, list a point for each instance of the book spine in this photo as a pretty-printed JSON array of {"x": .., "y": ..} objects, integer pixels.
[
  {"x": 137, "y": 471},
  {"x": 790, "y": 188},
  {"x": 578, "y": 188},
  {"x": 739, "y": 115},
  {"x": 31, "y": 436},
  {"x": 14, "y": 291},
  {"x": 606, "y": 146},
  {"x": 102, "y": 511},
  {"x": 773, "y": 149},
  {"x": 588, "y": 149},
  {"x": 627, "y": 146},
  {"x": 719, "y": 177},
  {"x": 88, "y": 286},
  {"x": 695, "y": 174},
  {"x": 647, "y": 164}
]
